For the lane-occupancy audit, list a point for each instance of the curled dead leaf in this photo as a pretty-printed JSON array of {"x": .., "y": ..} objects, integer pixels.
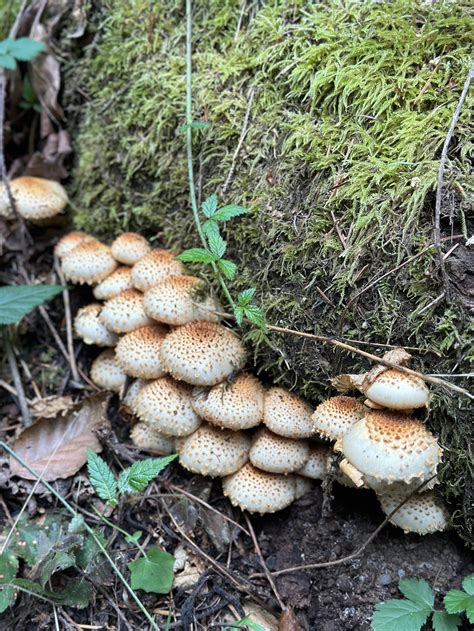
[
  {"x": 60, "y": 444},
  {"x": 49, "y": 407}
]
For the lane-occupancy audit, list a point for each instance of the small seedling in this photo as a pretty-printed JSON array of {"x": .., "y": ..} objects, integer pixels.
[
  {"x": 21, "y": 49},
  {"x": 247, "y": 622}
]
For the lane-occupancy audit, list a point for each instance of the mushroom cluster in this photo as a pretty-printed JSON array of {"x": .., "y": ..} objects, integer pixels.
[{"x": 180, "y": 375}]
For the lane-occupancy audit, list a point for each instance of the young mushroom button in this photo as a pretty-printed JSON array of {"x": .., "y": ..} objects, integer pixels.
[
  {"x": 145, "y": 438},
  {"x": 129, "y": 247},
  {"x": 125, "y": 313},
  {"x": 333, "y": 417},
  {"x": 71, "y": 240},
  {"x": 422, "y": 513},
  {"x": 286, "y": 414},
  {"x": 118, "y": 281},
  {"x": 277, "y": 454},
  {"x": 106, "y": 373},
  {"x": 138, "y": 352},
  {"x": 89, "y": 262},
  {"x": 154, "y": 267},
  {"x": 88, "y": 326}
]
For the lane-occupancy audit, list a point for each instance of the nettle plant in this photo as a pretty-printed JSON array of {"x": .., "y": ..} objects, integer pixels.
[{"x": 21, "y": 49}]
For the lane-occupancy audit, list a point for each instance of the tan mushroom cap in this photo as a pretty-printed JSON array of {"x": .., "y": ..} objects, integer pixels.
[
  {"x": 165, "y": 405},
  {"x": 386, "y": 447},
  {"x": 129, "y": 400},
  {"x": 125, "y": 313},
  {"x": 89, "y": 328},
  {"x": 316, "y": 465},
  {"x": 114, "y": 284},
  {"x": 277, "y": 454},
  {"x": 106, "y": 373},
  {"x": 146, "y": 439},
  {"x": 89, "y": 263},
  {"x": 138, "y": 352},
  {"x": 36, "y": 198},
  {"x": 214, "y": 452},
  {"x": 398, "y": 391},
  {"x": 422, "y": 513},
  {"x": 129, "y": 248},
  {"x": 258, "y": 491},
  {"x": 202, "y": 353},
  {"x": 71, "y": 240},
  {"x": 286, "y": 414},
  {"x": 236, "y": 405},
  {"x": 173, "y": 301},
  {"x": 333, "y": 417},
  {"x": 154, "y": 267}
]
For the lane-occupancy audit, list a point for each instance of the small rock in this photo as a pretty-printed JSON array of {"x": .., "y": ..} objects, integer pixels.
[{"x": 384, "y": 579}]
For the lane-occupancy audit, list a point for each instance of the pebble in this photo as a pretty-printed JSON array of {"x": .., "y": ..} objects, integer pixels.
[{"x": 384, "y": 579}]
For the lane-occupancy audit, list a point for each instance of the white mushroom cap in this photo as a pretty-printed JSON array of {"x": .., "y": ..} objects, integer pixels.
[
  {"x": 303, "y": 485},
  {"x": 36, "y": 198},
  {"x": 277, "y": 454},
  {"x": 316, "y": 465},
  {"x": 129, "y": 248},
  {"x": 333, "y": 417},
  {"x": 114, "y": 284},
  {"x": 154, "y": 267},
  {"x": 89, "y": 262},
  {"x": 106, "y": 373},
  {"x": 388, "y": 447},
  {"x": 202, "y": 353},
  {"x": 129, "y": 400},
  {"x": 165, "y": 405},
  {"x": 71, "y": 240},
  {"x": 398, "y": 391},
  {"x": 422, "y": 513},
  {"x": 125, "y": 313},
  {"x": 214, "y": 452},
  {"x": 286, "y": 414},
  {"x": 138, "y": 352},
  {"x": 258, "y": 491},
  {"x": 146, "y": 439},
  {"x": 236, "y": 405},
  {"x": 89, "y": 328}
]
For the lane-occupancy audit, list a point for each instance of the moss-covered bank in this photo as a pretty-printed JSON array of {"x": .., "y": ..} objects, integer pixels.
[{"x": 351, "y": 105}]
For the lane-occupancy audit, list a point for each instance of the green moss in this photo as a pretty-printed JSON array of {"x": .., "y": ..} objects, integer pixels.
[{"x": 352, "y": 105}]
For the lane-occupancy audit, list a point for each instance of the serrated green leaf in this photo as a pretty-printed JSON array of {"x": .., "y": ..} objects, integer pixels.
[
  {"x": 217, "y": 245},
  {"x": 102, "y": 478},
  {"x": 196, "y": 255},
  {"x": 17, "y": 301},
  {"x": 153, "y": 573},
  {"x": 210, "y": 227},
  {"x": 228, "y": 212},
  {"x": 246, "y": 296},
  {"x": 417, "y": 590},
  {"x": 135, "y": 537},
  {"x": 8, "y": 567},
  {"x": 8, "y": 62},
  {"x": 443, "y": 621},
  {"x": 25, "y": 48},
  {"x": 209, "y": 205},
  {"x": 140, "y": 474},
  {"x": 457, "y": 601},
  {"x": 239, "y": 314},
  {"x": 468, "y": 584},
  {"x": 76, "y": 525},
  {"x": 5, "y": 45},
  {"x": 227, "y": 268},
  {"x": 255, "y": 315},
  {"x": 395, "y": 615},
  {"x": 7, "y": 596}
]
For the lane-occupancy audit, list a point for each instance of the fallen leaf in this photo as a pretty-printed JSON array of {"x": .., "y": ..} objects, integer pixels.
[
  {"x": 49, "y": 407},
  {"x": 288, "y": 621},
  {"x": 61, "y": 442},
  {"x": 261, "y": 616},
  {"x": 188, "y": 568}
]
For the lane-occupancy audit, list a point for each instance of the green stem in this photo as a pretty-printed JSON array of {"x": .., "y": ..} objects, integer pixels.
[
  {"x": 189, "y": 145},
  {"x": 115, "y": 527},
  {"x": 90, "y": 531}
]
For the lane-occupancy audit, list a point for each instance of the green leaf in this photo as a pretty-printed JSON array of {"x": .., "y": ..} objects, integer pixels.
[
  {"x": 7, "y": 596},
  {"x": 25, "y": 48},
  {"x": 76, "y": 594},
  {"x": 135, "y": 537},
  {"x": 5, "y": 45},
  {"x": 210, "y": 227},
  {"x": 17, "y": 301},
  {"x": 418, "y": 591},
  {"x": 246, "y": 296},
  {"x": 58, "y": 562},
  {"x": 468, "y": 584},
  {"x": 217, "y": 245},
  {"x": 102, "y": 478},
  {"x": 196, "y": 255},
  {"x": 443, "y": 621},
  {"x": 76, "y": 525},
  {"x": 228, "y": 212},
  {"x": 398, "y": 615},
  {"x": 209, "y": 206},
  {"x": 141, "y": 473},
  {"x": 255, "y": 315},
  {"x": 227, "y": 268},
  {"x": 239, "y": 314},
  {"x": 153, "y": 573},
  {"x": 8, "y": 567},
  {"x": 457, "y": 601},
  {"x": 90, "y": 551},
  {"x": 7, "y": 61},
  {"x": 246, "y": 621}
]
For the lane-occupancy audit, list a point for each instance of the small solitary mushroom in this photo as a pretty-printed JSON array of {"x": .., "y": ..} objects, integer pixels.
[
  {"x": 71, "y": 240},
  {"x": 277, "y": 454},
  {"x": 422, "y": 513},
  {"x": 124, "y": 313},
  {"x": 154, "y": 267},
  {"x": 89, "y": 328},
  {"x": 138, "y": 352},
  {"x": 106, "y": 373},
  {"x": 129, "y": 247},
  {"x": 286, "y": 414},
  {"x": 36, "y": 198},
  {"x": 89, "y": 262},
  {"x": 333, "y": 417},
  {"x": 114, "y": 284},
  {"x": 146, "y": 439}
]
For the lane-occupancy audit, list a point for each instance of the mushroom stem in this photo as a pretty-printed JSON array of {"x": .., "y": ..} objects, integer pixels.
[{"x": 352, "y": 473}]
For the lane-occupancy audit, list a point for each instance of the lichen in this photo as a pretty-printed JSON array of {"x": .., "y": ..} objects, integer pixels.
[{"x": 351, "y": 105}]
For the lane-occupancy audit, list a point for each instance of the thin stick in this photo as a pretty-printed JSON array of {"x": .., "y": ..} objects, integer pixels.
[
  {"x": 69, "y": 335},
  {"x": 243, "y": 133},
  {"x": 16, "y": 24},
  {"x": 25, "y": 412},
  {"x": 439, "y": 189}
]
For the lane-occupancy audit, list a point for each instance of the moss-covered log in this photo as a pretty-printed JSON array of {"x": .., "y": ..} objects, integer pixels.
[{"x": 348, "y": 105}]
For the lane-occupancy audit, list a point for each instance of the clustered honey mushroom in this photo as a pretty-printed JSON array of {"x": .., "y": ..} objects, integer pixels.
[{"x": 191, "y": 394}]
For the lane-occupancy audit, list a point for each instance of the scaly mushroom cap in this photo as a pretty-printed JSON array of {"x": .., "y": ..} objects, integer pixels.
[
  {"x": 387, "y": 447},
  {"x": 214, "y": 452},
  {"x": 236, "y": 405},
  {"x": 129, "y": 248},
  {"x": 173, "y": 301},
  {"x": 165, "y": 405},
  {"x": 36, "y": 198},
  {"x": 315, "y": 466},
  {"x": 286, "y": 414},
  {"x": 154, "y": 267},
  {"x": 89, "y": 262},
  {"x": 258, "y": 491},
  {"x": 113, "y": 285},
  {"x": 71, "y": 240},
  {"x": 423, "y": 513},
  {"x": 138, "y": 352},
  {"x": 129, "y": 400},
  {"x": 303, "y": 485},
  {"x": 333, "y": 417},
  {"x": 89, "y": 328},
  {"x": 277, "y": 454},
  {"x": 398, "y": 391},
  {"x": 106, "y": 373},
  {"x": 125, "y": 313},
  {"x": 202, "y": 353},
  {"x": 146, "y": 439}
]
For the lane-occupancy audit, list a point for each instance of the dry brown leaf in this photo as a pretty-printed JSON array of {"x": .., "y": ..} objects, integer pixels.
[
  {"x": 49, "y": 407},
  {"x": 288, "y": 621},
  {"x": 62, "y": 441}
]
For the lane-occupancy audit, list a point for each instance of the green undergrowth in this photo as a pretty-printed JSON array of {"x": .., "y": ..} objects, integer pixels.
[{"x": 351, "y": 105}]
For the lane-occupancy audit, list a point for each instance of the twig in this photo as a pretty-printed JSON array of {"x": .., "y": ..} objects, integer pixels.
[
  {"x": 25, "y": 412},
  {"x": 16, "y": 24},
  {"x": 439, "y": 189},
  {"x": 69, "y": 335}
]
